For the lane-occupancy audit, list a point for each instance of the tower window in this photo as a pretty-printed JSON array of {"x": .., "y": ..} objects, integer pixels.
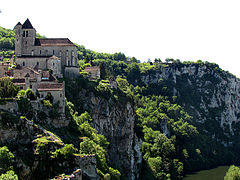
[
  {"x": 26, "y": 33},
  {"x": 38, "y": 63},
  {"x": 26, "y": 42},
  {"x": 23, "y": 33},
  {"x": 40, "y": 52},
  {"x": 53, "y": 52},
  {"x": 23, "y": 63},
  {"x": 53, "y": 64}
]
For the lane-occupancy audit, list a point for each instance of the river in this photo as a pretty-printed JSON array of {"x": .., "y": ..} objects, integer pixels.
[{"x": 211, "y": 174}]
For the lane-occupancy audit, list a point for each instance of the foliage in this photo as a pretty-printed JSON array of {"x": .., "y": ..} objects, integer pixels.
[
  {"x": 233, "y": 173},
  {"x": 47, "y": 103},
  {"x": 65, "y": 152},
  {"x": 6, "y": 159},
  {"x": 7, "y": 88},
  {"x": 7, "y": 40},
  {"x": 30, "y": 94},
  {"x": 49, "y": 97},
  {"x": 9, "y": 175}
]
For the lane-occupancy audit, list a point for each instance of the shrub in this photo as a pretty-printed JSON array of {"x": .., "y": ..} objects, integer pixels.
[
  {"x": 233, "y": 173},
  {"x": 9, "y": 175},
  {"x": 6, "y": 158}
]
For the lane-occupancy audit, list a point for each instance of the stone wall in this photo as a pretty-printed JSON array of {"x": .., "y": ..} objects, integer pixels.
[{"x": 71, "y": 72}]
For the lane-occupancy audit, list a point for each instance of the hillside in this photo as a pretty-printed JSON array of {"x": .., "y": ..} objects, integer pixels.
[{"x": 162, "y": 120}]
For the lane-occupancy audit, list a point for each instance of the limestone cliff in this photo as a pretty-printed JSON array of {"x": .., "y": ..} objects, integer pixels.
[
  {"x": 206, "y": 92},
  {"x": 116, "y": 121}
]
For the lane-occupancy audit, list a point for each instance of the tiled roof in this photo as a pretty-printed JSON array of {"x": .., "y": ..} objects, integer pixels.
[
  {"x": 27, "y": 25},
  {"x": 23, "y": 72},
  {"x": 93, "y": 68},
  {"x": 18, "y": 80},
  {"x": 53, "y": 42},
  {"x": 50, "y": 87}
]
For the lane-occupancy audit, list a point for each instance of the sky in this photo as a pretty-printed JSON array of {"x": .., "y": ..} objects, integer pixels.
[{"x": 188, "y": 30}]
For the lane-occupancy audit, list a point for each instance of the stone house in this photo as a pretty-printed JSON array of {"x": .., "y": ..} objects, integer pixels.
[
  {"x": 47, "y": 53},
  {"x": 41, "y": 82},
  {"x": 93, "y": 72}
]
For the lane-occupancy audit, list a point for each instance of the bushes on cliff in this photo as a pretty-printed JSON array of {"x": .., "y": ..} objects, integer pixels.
[
  {"x": 166, "y": 132},
  {"x": 9, "y": 175},
  {"x": 233, "y": 173},
  {"x": 6, "y": 159},
  {"x": 7, "y": 88}
]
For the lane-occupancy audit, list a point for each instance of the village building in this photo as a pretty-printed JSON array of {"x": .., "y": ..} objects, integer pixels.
[
  {"x": 57, "y": 54},
  {"x": 93, "y": 72},
  {"x": 41, "y": 82}
]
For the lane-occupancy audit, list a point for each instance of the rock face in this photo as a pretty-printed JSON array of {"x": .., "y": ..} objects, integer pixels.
[
  {"x": 207, "y": 93},
  {"x": 116, "y": 121}
]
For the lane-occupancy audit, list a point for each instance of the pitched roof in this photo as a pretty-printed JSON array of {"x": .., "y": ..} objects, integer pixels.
[
  {"x": 50, "y": 87},
  {"x": 25, "y": 72},
  {"x": 53, "y": 42},
  {"x": 92, "y": 68},
  {"x": 18, "y": 24},
  {"x": 27, "y": 24}
]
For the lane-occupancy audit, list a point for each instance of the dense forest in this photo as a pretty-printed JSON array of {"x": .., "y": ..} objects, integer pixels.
[{"x": 174, "y": 143}]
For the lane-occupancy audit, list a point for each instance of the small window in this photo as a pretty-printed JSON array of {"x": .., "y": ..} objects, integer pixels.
[
  {"x": 30, "y": 86},
  {"x": 26, "y": 42},
  {"x": 67, "y": 53},
  {"x": 60, "y": 53},
  {"x": 23, "y": 33},
  {"x": 53, "y": 64},
  {"x": 53, "y": 52},
  {"x": 26, "y": 33},
  {"x": 40, "y": 52},
  {"x": 23, "y": 63},
  {"x": 41, "y": 95},
  {"x": 46, "y": 52},
  {"x": 37, "y": 63},
  {"x": 32, "y": 52},
  {"x": 60, "y": 95}
]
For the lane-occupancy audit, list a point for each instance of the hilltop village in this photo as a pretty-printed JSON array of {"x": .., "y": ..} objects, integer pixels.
[{"x": 39, "y": 62}]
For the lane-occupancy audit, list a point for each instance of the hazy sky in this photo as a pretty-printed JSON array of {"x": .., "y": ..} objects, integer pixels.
[{"x": 181, "y": 29}]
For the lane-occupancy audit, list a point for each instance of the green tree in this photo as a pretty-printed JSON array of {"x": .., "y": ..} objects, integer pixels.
[
  {"x": 7, "y": 88},
  {"x": 9, "y": 175},
  {"x": 6, "y": 159},
  {"x": 233, "y": 173}
]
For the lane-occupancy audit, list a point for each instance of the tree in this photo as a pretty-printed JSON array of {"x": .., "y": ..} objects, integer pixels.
[
  {"x": 49, "y": 97},
  {"x": 6, "y": 158},
  {"x": 30, "y": 94},
  {"x": 233, "y": 173},
  {"x": 7, "y": 88},
  {"x": 9, "y": 175}
]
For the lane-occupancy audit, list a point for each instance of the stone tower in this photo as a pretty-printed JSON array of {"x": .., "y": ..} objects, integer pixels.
[
  {"x": 25, "y": 38},
  {"x": 18, "y": 39}
]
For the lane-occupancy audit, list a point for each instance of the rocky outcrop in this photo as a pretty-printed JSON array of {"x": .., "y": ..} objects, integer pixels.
[
  {"x": 206, "y": 92},
  {"x": 116, "y": 121}
]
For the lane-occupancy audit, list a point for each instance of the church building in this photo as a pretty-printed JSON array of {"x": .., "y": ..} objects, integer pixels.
[{"x": 56, "y": 54}]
